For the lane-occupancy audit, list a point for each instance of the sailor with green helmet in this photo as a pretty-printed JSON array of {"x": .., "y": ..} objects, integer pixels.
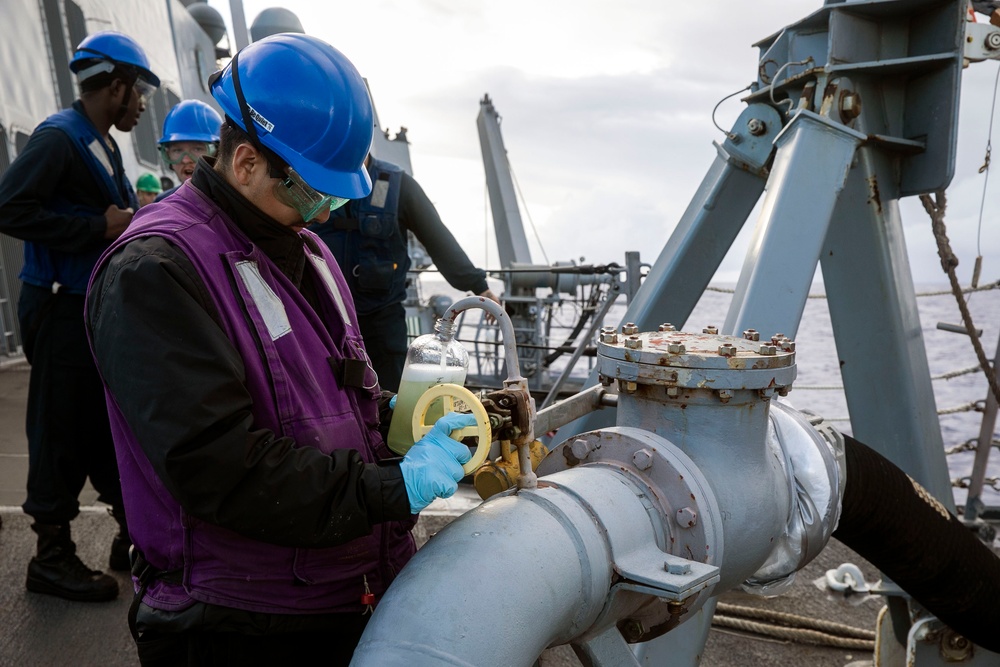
[{"x": 147, "y": 188}]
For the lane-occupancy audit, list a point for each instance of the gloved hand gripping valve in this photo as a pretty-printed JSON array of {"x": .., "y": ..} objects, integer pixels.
[{"x": 508, "y": 413}]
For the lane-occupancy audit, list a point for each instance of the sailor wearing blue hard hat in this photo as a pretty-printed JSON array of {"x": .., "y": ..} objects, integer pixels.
[
  {"x": 105, "y": 57},
  {"x": 190, "y": 131},
  {"x": 268, "y": 515},
  {"x": 67, "y": 197}
]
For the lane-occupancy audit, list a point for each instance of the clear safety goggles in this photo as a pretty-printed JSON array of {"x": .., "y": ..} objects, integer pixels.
[
  {"x": 144, "y": 90},
  {"x": 294, "y": 192},
  {"x": 173, "y": 154}
]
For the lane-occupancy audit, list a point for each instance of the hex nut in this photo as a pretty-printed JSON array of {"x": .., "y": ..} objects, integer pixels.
[
  {"x": 756, "y": 127},
  {"x": 673, "y": 392},
  {"x": 581, "y": 448},
  {"x": 687, "y": 517},
  {"x": 788, "y": 345},
  {"x": 627, "y": 386},
  {"x": 676, "y": 348},
  {"x": 727, "y": 350},
  {"x": 633, "y": 343},
  {"x": 724, "y": 395},
  {"x": 850, "y": 106},
  {"x": 666, "y": 326},
  {"x": 677, "y": 568},
  {"x": 751, "y": 334},
  {"x": 633, "y": 630},
  {"x": 643, "y": 459},
  {"x": 768, "y": 350},
  {"x": 629, "y": 329},
  {"x": 609, "y": 337},
  {"x": 710, "y": 329}
]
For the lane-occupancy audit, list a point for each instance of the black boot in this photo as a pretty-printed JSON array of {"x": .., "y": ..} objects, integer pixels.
[
  {"x": 119, "y": 560},
  {"x": 57, "y": 570}
]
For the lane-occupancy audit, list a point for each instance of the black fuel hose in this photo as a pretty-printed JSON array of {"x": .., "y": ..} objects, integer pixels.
[{"x": 900, "y": 528}]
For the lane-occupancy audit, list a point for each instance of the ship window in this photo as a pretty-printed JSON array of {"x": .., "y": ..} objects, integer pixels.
[
  {"x": 65, "y": 85},
  {"x": 76, "y": 23},
  {"x": 150, "y": 128},
  {"x": 146, "y": 134},
  {"x": 4, "y": 152},
  {"x": 20, "y": 141}
]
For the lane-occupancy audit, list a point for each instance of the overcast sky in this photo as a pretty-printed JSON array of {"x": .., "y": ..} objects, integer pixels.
[{"x": 606, "y": 114}]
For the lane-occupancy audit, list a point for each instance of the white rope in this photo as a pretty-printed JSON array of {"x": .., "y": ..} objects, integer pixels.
[
  {"x": 794, "y": 620},
  {"x": 942, "y": 376},
  {"x": 965, "y": 290},
  {"x": 966, "y": 407},
  {"x": 794, "y": 634}
]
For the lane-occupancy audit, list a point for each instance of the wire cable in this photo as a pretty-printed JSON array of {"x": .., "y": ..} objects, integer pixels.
[{"x": 729, "y": 135}]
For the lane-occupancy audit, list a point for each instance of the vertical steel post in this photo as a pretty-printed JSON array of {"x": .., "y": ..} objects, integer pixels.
[
  {"x": 876, "y": 326},
  {"x": 813, "y": 157}
]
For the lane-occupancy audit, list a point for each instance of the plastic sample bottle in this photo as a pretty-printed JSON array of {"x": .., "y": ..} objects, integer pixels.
[{"x": 432, "y": 359}]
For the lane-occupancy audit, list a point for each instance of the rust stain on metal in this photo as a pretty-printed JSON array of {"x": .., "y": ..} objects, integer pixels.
[{"x": 875, "y": 198}]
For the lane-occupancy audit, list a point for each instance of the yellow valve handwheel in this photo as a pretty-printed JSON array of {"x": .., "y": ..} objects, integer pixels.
[{"x": 449, "y": 394}]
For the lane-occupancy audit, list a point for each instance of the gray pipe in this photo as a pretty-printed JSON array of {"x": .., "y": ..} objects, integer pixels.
[{"x": 535, "y": 571}]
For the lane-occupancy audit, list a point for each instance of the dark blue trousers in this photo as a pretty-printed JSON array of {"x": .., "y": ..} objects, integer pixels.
[{"x": 69, "y": 436}]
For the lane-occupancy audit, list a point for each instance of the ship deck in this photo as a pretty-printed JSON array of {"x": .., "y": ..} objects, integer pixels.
[{"x": 43, "y": 630}]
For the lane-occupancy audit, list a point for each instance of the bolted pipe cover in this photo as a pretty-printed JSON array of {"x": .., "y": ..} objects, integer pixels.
[{"x": 693, "y": 360}]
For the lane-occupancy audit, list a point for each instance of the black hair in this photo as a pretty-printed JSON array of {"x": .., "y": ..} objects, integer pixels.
[{"x": 231, "y": 136}]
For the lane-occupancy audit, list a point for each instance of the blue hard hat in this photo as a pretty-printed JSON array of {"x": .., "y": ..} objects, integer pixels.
[
  {"x": 306, "y": 102},
  {"x": 113, "y": 47},
  {"x": 191, "y": 120}
]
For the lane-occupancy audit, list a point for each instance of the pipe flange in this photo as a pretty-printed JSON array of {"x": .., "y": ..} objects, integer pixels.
[
  {"x": 698, "y": 360},
  {"x": 682, "y": 506}
]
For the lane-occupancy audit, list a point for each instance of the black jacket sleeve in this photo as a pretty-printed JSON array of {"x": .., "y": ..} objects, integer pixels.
[
  {"x": 417, "y": 214},
  {"x": 49, "y": 164},
  {"x": 179, "y": 381}
]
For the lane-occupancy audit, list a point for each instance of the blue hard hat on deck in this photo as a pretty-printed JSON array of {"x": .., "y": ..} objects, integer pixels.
[
  {"x": 112, "y": 48},
  {"x": 305, "y": 101},
  {"x": 191, "y": 120}
]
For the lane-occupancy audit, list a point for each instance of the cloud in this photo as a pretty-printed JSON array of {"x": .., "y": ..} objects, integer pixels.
[{"x": 606, "y": 115}]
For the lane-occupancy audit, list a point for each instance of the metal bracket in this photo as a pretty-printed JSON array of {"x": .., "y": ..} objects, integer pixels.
[
  {"x": 982, "y": 42},
  {"x": 649, "y": 570}
]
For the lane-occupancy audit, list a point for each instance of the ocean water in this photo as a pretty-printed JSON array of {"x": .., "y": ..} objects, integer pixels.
[{"x": 818, "y": 363}]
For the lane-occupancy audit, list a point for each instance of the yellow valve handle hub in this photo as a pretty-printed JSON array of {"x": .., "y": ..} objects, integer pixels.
[{"x": 449, "y": 395}]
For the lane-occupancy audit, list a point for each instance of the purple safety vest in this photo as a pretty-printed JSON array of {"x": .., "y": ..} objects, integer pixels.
[{"x": 286, "y": 353}]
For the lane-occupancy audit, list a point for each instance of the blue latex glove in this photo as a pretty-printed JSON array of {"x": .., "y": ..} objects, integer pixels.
[
  {"x": 392, "y": 402},
  {"x": 432, "y": 468}
]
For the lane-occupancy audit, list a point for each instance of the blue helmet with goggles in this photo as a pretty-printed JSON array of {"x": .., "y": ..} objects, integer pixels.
[
  {"x": 191, "y": 120},
  {"x": 305, "y": 102},
  {"x": 102, "y": 51}
]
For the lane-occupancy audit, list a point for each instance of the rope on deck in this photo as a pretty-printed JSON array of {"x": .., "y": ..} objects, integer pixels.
[{"x": 792, "y": 627}]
